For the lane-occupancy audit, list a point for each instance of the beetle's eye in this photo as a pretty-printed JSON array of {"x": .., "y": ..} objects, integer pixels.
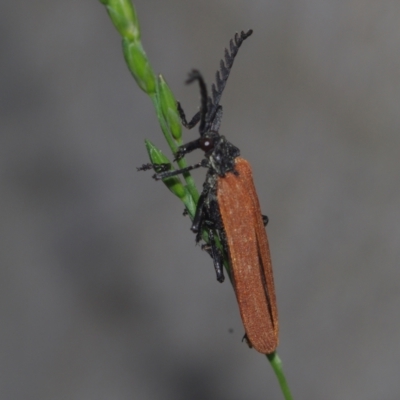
[{"x": 206, "y": 144}]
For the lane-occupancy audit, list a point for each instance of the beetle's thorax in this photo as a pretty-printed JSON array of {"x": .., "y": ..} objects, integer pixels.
[{"x": 223, "y": 154}]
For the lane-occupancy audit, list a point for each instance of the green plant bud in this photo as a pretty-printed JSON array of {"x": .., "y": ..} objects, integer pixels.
[
  {"x": 139, "y": 66},
  {"x": 123, "y": 16},
  {"x": 173, "y": 183},
  {"x": 169, "y": 110}
]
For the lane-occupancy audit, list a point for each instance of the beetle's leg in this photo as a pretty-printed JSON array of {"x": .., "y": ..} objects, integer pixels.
[
  {"x": 168, "y": 174},
  {"x": 216, "y": 256},
  {"x": 219, "y": 226},
  {"x": 246, "y": 339},
  {"x": 187, "y": 148},
  {"x": 157, "y": 167},
  {"x": 195, "y": 75},
  {"x": 199, "y": 216},
  {"x": 265, "y": 219},
  {"x": 201, "y": 115},
  {"x": 203, "y": 219},
  {"x": 193, "y": 122},
  {"x": 215, "y": 221}
]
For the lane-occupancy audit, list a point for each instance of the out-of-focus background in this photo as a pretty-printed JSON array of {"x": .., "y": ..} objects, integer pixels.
[{"x": 103, "y": 292}]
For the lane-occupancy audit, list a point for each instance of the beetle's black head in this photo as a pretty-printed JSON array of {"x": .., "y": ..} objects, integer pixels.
[{"x": 220, "y": 153}]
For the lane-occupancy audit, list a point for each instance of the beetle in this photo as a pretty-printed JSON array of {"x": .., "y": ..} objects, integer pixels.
[{"x": 229, "y": 211}]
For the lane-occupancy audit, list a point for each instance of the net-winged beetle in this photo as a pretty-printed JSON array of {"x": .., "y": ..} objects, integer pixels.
[{"x": 228, "y": 209}]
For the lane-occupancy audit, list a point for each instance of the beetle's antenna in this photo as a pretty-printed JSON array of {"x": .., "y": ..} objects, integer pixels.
[
  {"x": 225, "y": 69},
  {"x": 210, "y": 111},
  {"x": 205, "y": 100},
  {"x": 216, "y": 121}
]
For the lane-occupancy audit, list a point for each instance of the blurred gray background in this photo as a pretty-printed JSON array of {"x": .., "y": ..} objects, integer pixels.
[{"x": 103, "y": 292}]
